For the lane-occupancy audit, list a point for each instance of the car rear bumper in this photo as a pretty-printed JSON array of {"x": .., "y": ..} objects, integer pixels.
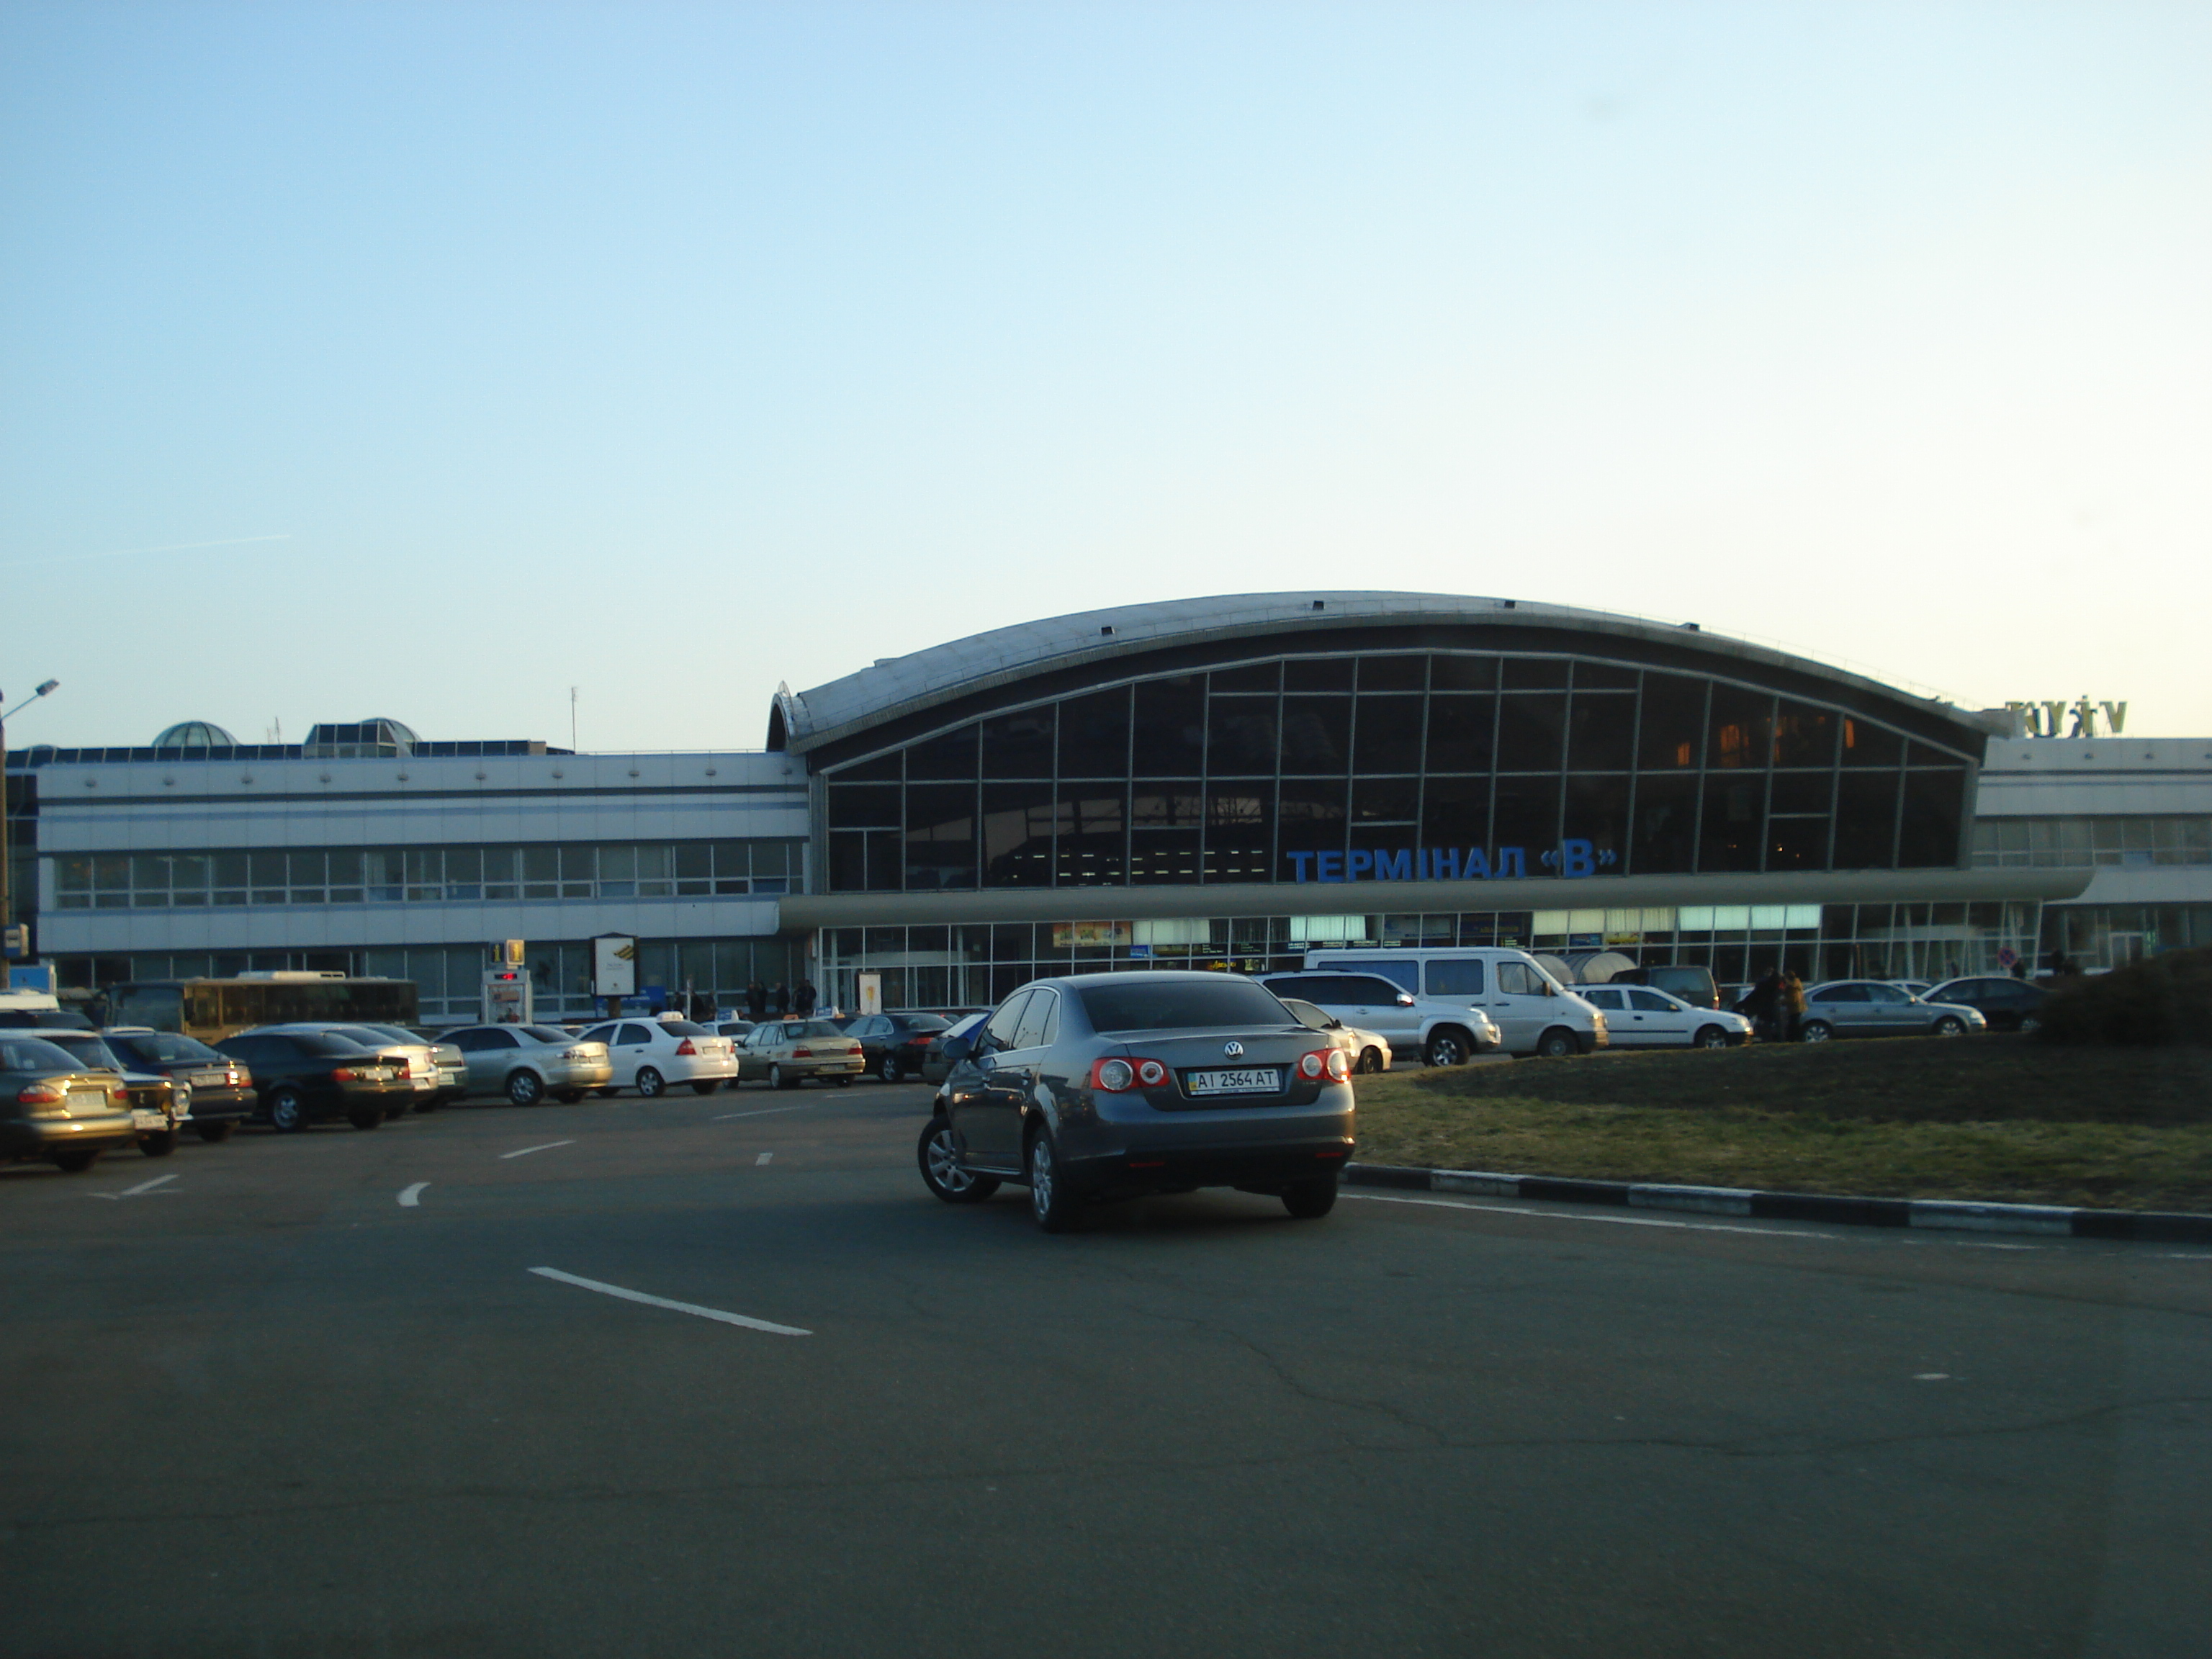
[
  {"x": 1260, "y": 1169},
  {"x": 38, "y": 1137}
]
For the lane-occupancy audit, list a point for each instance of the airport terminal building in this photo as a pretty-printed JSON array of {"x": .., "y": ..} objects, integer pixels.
[{"x": 1225, "y": 781}]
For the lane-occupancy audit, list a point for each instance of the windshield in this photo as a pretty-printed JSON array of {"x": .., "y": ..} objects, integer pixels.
[{"x": 1173, "y": 1005}]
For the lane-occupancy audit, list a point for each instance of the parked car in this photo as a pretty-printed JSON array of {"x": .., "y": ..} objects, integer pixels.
[
  {"x": 53, "y": 1108},
  {"x": 936, "y": 1068},
  {"x": 1533, "y": 1012},
  {"x": 308, "y": 1077},
  {"x": 452, "y": 1070},
  {"x": 649, "y": 1054},
  {"x": 159, "y": 1105},
  {"x": 1370, "y": 1050},
  {"x": 220, "y": 1089},
  {"x": 418, "y": 1064},
  {"x": 2008, "y": 1005},
  {"x": 1638, "y": 1017},
  {"x": 1690, "y": 982},
  {"x": 1919, "y": 988},
  {"x": 732, "y": 1029},
  {"x": 1443, "y": 1030},
  {"x": 895, "y": 1047},
  {"x": 1874, "y": 1007},
  {"x": 1096, "y": 1086},
  {"x": 784, "y": 1053},
  {"x": 528, "y": 1063}
]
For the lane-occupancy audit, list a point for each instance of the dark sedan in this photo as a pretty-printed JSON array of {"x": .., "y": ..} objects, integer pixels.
[
  {"x": 895, "y": 1047},
  {"x": 1100, "y": 1086},
  {"x": 222, "y": 1088},
  {"x": 2008, "y": 1005},
  {"x": 304, "y": 1077}
]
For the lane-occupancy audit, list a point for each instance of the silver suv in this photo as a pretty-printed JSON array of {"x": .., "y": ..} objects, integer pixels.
[{"x": 1436, "y": 1030}]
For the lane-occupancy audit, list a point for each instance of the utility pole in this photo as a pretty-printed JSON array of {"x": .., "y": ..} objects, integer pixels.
[
  {"x": 571, "y": 717},
  {"x": 7, "y": 888}
]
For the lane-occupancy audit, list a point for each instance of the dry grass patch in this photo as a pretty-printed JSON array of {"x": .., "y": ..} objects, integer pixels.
[{"x": 1995, "y": 1118}]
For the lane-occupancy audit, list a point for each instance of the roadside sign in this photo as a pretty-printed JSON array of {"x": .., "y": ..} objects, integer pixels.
[
  {"x": 614, "y": 965},
  {"x": 872, "y": 994},
  {"x": 2006, "y": 955}
]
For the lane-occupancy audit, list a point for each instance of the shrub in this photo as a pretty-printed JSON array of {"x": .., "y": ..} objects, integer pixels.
[{"x": 2161, "y": 999}]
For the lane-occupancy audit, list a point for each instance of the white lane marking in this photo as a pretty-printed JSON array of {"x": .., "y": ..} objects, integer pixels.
[
  {"x": 134, "y": 1191},
  {"x": 766, "y": 1111},
  {"x": 761, "y": 1159},
  {"x": 1931, "y": 1376},
  {"x": 1560, "y": 1215},
  {"x": 2170, "y": 1257},
  {"x": 410, "y": 1198},
  {"x": 675, "y": 1307},
  {"x": 524, "y": 1151}
]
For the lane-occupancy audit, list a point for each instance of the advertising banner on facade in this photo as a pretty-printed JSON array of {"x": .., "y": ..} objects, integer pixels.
[
  {"x": 872, "y": 994},
  {"x": 614, "y": 965},
  {"x": 1076, "y": 934}
]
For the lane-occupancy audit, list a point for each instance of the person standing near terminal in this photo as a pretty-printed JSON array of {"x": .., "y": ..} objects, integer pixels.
[
  {"x": 757, "y": 1002},
  {"x": 1792, "y": 1012},
  {"x": 779, "y": 999},
  {"x": 804, "y": 999},
  {"x": 1764, "y": 1004}
]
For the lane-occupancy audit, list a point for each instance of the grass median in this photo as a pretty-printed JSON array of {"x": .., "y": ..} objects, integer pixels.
[{"x": 1996, "y": 1118}]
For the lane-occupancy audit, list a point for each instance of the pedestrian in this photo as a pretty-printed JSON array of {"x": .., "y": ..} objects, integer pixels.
[
  {"x": 803, "y": 1002},
  {"x": 779, "y": 999},
  {"x": 1764, "y": 1004},
  {"x": 1793, "y": 1006},
  {"x": 757, "y": 1002}
]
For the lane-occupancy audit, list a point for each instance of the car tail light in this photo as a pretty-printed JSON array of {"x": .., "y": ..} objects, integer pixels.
[
  {"x": 344, "y": 1074},
  {"x": 43, "y": 1094},
  {"x": 802, "y": 1054},
  {"x": 685, "y": 1047},
  {"x": 1331, "y": 1062},
  {"x": 1118, "y": 1076},
  {"x": 119, "y": 1092},
  {"x": 231, "y": 1077}
]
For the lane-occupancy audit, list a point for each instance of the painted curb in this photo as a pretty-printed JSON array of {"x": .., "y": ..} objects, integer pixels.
[{"x": 2137, "y": 1227}]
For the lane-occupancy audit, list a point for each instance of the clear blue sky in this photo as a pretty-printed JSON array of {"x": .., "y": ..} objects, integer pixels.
[{"x": 670, "y": 351}]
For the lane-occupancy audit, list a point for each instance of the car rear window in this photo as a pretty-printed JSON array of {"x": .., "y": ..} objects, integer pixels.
[
  {"x": 685, "y": 1028},
  {"x": 921, "y": 1021},
  {"x": 547, "y": 1034},
  {"x": 32, "y": 1054},
  {"x": 1182, "y": 1005},
  {"x": 165, "y": 1045},
  {"x": 814, "y": 1028}
]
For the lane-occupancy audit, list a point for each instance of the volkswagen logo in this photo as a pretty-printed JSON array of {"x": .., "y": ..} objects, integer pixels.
[{"x": 1232, "y": 1049}]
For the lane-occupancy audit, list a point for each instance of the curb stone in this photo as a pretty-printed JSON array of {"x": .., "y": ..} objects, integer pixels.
[{"x": 2137, "y": 1226}]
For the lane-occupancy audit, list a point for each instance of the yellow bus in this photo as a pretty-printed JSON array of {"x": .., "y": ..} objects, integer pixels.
[{"x": 213, "y": 1009}]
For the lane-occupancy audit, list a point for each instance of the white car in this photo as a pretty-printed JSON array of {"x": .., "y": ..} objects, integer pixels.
[
  {"x": 1370, "y": 1050},
  {"x": 1637, "y": 1016},
  {"x": 649, "y": 1054}
]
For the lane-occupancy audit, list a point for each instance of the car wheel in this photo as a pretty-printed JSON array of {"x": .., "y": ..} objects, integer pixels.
[
  {"x": 1051, "y": 1201},
  {"x": 1818, "y": 1030},
  {"x": 1950, "y": 1026},
  {"x": 213, "y": 1132},
  {"x": 1448, "y": 1046},
  {"x": 1710, "y": 1036},
  {"x": 567, "y": 1096},
  {"x": 938, "y": 1154},
  {"x": 650, "y": 1083},
  {"x": 160, "y": 1144},
  {"x": 779, "y": 1078},
  {"x": 525, "y": 1087},
  {"x": 1309, "y": 1200},
  {"x": 1556, "y": 1044},
  {"x": 1370, "y": 1061},
  {"x": 2029, "y": 1022},
  {"x": 889, "y": 1071},
  {"x": 367, "y": 1117},
  {"x": 76, "y": 1160},
  {"x": 706, "y": 1086},
  {"x": 288, "y": 1110}
]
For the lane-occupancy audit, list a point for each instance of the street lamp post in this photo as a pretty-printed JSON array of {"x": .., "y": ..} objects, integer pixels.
[{"x": 7, "y": 888}]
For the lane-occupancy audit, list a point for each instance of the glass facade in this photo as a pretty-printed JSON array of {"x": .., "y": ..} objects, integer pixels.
[
  {"x": 2150, "y": 841},
  {"x": 427, "y": 875},
  {"x": 1394, "y": 765},
  {"x": 975, "y": 966}
]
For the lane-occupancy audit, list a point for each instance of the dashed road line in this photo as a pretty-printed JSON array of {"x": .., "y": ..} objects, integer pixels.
[
  {"x": 142, "y": 1187},
  {"x": 767, "y": 1111},
  {"x": 524, "y": 1151},
  {"x": 761, "y": 1159},
  {"x": 692, "y": 1307},
  {"x": 411, "y": 1197}
]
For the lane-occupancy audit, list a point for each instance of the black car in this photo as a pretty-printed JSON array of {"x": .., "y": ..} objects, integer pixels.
[
  {"x": 2008, "y": 1005},
  {"x": 895, "y": 1047},
  {"x": 222, "y": 1088},
  {"x": 304, "y": 1077}
]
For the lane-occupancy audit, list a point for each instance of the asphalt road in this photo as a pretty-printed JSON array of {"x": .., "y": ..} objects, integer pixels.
[{"x": 266, "y": 1407}]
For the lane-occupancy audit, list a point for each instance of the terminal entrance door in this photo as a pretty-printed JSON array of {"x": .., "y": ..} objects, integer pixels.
[{"x": 2121, "y": 949}]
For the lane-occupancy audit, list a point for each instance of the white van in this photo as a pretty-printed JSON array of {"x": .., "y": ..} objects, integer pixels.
[{"x": 1534, "y": 1014}]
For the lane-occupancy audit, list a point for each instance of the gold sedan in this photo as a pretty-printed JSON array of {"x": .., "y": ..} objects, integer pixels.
[{"x": 784, "y": 1053}]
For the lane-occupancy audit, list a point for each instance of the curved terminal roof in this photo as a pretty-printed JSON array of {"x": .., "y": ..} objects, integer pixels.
[{"x": 901, "y": 686}]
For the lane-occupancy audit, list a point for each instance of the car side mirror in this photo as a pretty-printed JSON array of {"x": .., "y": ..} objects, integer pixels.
[
  {"x": 957, "y": 1049},
  {"x": 1405, "y": 999}
]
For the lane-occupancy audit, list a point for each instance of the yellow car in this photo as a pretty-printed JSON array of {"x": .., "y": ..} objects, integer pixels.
[{"x": 784, "y": 1053}]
